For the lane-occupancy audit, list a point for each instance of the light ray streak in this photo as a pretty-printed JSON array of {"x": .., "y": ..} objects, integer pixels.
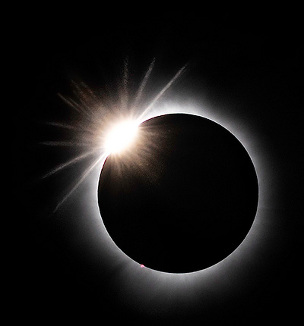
[
  {"x": 143, "y": 83},
  {"x": 90, "y": 94},
  {"x": 61, "y": 125},
  {"x": 79, "y": 182},
  {"x": 68, "y": 163},
  {"x": 125, "y": 97},
  {"x": 63, "y": 143},
  {"x": 161, "y": 93},
  {"x": 71, "y": 103},
  {"x": 79, "y": 128},
  {"x": 80, "y": 88}
]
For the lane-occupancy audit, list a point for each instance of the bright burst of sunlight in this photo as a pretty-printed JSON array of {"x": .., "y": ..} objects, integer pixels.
[
  {"x": 94, "y": 131},
  {"x": 121, "y": 136}
]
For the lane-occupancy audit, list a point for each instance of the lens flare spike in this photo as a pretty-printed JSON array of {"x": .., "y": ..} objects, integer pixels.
[
  {"x": 81, "y": 179},
  {"x": 161, "y": 93}
]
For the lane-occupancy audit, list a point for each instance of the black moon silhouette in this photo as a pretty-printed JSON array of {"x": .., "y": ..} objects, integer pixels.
[{"x": 182, "y": 198}]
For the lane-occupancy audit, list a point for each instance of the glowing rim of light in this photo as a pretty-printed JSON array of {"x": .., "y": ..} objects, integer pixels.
[
  {"x": 132, "y": 280},
  {"x": 128, "y": 272},
  {"x": 240, "y": 134}
]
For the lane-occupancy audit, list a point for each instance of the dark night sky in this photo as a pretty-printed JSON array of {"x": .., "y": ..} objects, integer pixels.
[{"x": 247, "y": 65}]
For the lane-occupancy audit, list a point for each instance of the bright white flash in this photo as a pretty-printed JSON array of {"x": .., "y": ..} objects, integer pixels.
[{"x": 121, "y": 136}]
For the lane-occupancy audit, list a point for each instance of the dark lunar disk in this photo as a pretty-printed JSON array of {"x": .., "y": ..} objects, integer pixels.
[{"x": 182, "y": 198}]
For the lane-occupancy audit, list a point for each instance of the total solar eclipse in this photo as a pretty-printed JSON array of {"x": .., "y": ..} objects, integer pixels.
[{"x": 181, "y": 197}]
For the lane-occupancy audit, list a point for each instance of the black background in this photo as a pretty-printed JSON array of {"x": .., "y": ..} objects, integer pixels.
[{"x": 238, "y": 59}]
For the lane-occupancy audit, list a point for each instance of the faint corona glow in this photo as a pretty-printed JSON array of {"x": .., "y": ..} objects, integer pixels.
[
  {"x": 99, "y": 136},
  {"x": 121, "y": 136}
]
